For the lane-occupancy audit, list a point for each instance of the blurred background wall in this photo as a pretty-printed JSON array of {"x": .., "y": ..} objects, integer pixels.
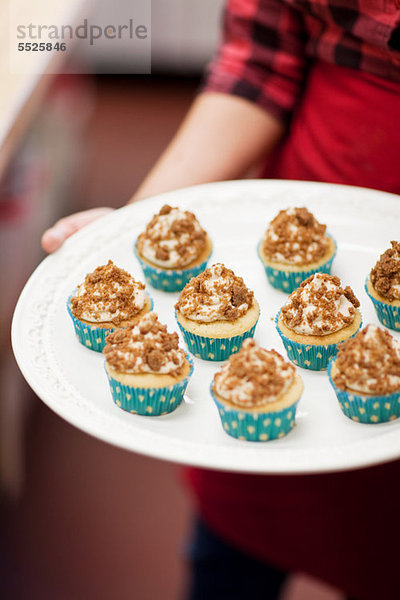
[
  {"x": 80, "y": 519},
  {"x": 184, "y": 34}
]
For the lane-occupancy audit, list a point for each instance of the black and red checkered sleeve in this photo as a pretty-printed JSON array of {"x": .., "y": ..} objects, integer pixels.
[{"x": 261, "y": 56}]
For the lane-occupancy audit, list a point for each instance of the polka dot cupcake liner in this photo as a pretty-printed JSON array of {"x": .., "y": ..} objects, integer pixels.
[
  {"x": 367, "y": 409},
  {"x": 308, "y": 356},
  {"x": 169, "y": 280},
  {"x": 91, "y": 336},
  {"x": 255, "y": 426},
  {"x": 214, "y": 348},
  {"x": 149, "y": 401},
  {"x": 387, "y": 314},
  {"x": 288, "y": 281}
]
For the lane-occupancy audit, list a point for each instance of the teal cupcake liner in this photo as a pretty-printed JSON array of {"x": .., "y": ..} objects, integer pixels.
[
  {"x": 149, "y": 401},
  {"x": 214, "y": 348},
  {"x": 367, "y": 409},
  {"x": 255, "y": 426},
  {"x": 387, "y": 314},
  {"x": 169, "y": 280},
  {"x": 288, "y": 281},
  {"x": 92, "y": 336},
  {"x": 308, "y": 356}
]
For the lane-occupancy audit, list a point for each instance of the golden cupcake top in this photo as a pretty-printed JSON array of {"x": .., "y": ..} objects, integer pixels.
[
  {"x": 385, "y": 276},
  {"x": 295, "y": 237},
  {"x": 320, "y": 306},
  {"x": 254, "y": 376},
  {"x": 217, "y": 294},
  {"x": 173, "y": 239},
  {"x": 109, "y": 294},
  {"x": 368, "y": 363},
  {"x": 144, "y": 347}
]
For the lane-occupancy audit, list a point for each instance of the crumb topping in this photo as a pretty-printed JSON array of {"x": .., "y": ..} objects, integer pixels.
[
  {"x": 253, "y": 376},
  {"x": 385, "y": 276},
  {"x": 320, "y": 306},
  {"x": 144, "y": 347},
  {"x": 369, "y": 363},
  {"x": 172, "y": 239},
  {"x": 295, "y": 237},
  {"x": 217, "y": 294},
  {"x": 108, "y": 294}
]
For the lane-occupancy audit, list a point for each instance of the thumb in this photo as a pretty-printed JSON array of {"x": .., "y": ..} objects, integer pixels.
[{"x": 56, "y": 235}]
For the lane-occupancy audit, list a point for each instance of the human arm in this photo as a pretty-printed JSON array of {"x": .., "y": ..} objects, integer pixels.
[{"x": 222, "y": 137}]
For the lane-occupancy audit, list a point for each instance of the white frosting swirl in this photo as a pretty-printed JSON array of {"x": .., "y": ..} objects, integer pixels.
[
  {"x": 145, "y": 347},
  {"x": 295, "y": 237},
  {"x": 370, "y": 363},
  {"x": 100, "y": 309},
  {"x": 385, "y": 276},
  {"x": 254, "y": 377},
  {"x": 213, "y": 300},
  {"x": 109, "y": 294},
  {"x": 318, "y": 307},
  {"x": 164, "y": 231}
]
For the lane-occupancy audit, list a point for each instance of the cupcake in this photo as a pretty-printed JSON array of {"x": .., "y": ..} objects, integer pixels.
[
  {"x": 294, "y": 247},
  {"x": 256, "y": 393},
  {"x": 215, "y": 313},
  {"x": 383, "y": 287},
  {"x": 108, "y": 298},
  {"x": 365, "y": 375},
  {"x": 316, "y": 317},
  {"x": 147, "y": 371},
  {"x": 172, "y": 249}
]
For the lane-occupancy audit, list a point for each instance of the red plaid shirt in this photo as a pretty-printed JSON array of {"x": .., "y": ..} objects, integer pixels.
[{"x": 267, "y": 46}]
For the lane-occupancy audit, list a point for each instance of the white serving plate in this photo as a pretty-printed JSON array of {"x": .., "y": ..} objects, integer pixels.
[{"x": 71, "y": 380}]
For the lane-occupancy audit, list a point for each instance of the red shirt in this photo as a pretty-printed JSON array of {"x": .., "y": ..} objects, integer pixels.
[
  {"x": 267, "y": 46},
  {"x": 344, "y": 128}
]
